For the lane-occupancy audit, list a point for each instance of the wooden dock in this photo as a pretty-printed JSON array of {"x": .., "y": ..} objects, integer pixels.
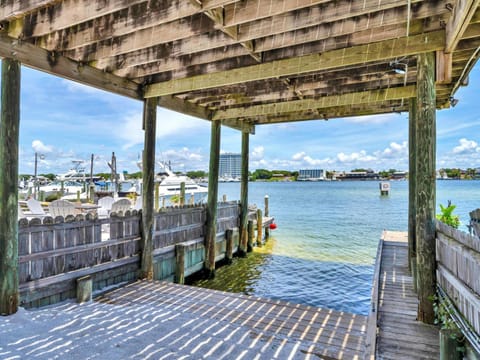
[
  {"x": 400, "y": 335},
  {"x": 224, "y": 325}
]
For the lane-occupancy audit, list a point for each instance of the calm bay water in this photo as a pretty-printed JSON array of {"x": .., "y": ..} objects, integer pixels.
[{"x": 324, "y": 248}]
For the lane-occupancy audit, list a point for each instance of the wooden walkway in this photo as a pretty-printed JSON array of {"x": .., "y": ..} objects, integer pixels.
[
  {"x": 219, "y": 325},
  {"x": 400, "y": 336}
]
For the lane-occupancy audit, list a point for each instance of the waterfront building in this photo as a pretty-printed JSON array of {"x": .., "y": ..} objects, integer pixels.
[
  {"x": 311, "y": 175},
  {"x": 230, "y": 166}
]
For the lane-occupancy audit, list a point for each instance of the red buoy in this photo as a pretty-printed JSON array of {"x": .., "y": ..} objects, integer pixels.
[{"x": 273, "y": 226}]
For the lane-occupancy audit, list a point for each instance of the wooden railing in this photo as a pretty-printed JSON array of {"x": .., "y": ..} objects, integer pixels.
[
  {"x": 458, "y": 257},
  {"x": 53, "y": 253}
]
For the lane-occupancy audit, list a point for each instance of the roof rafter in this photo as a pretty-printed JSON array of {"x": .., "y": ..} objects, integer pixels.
[
  {"x": 462, "y": 14},
  {"x": 376, "y": 27},
  {"x": 361, "y": 97},
  {"x": 55, "y": 64},
  {"x": 74, "y": 12},
  {"x": 316, "y": 62}
]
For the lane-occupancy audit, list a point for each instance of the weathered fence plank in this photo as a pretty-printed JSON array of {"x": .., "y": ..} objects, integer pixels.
[{"x": 55, "y": 252}]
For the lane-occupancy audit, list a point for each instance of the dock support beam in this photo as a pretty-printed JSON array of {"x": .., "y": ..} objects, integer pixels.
[
  {"x": 412, "y": 193},
  {"x": 425, "y": 174},
  {"x": 242, "y": 247},
  {"x": 211, "y": 231},
  {"x": 148, "y": 169},
  {"x": 9, "y": 135}
]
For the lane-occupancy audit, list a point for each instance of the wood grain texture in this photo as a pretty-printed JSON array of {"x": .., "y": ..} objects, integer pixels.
[
  {"x": 400, "y": 335},
  {"x": 425, "y": 185},
  {"x": 9, "y": 138}
]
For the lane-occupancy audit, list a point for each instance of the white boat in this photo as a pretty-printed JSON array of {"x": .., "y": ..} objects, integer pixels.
[
  {"x": 77, "y": 172},
  {"x": 170, "y": 183},
  {"x": 69, "y": 187}
]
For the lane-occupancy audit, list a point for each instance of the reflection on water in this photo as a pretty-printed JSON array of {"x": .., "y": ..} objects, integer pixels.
[{"x": 323, "y": 251}]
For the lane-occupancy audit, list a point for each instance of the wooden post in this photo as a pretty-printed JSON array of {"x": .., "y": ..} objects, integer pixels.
[
  {"x": 84, "y": 289},
  {"x": 91, "y": 193},
  {"x": 224, "y": 198},
  {"x": 211, "y": 226},
  {"x": 266, "y": 212},
  {"x": 9, "y": 135},
  {"x": 182, "y": 193},
  {"x": 180, "y": 263},
  {"x": 425, "y": 185},
  {"x": 412, "y": 178},
  {"x": 250, "y": 230},
  {"x": 149, "y": 125},
  {"x": 243, "y": 246},
  {"x": 259, "y": 227},
  {"x": 157, "y": 196},
  {"x": 229, "y": 246}
]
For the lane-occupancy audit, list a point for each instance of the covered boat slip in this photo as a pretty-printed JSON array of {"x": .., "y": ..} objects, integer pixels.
[{"x": 243, "y": 63}]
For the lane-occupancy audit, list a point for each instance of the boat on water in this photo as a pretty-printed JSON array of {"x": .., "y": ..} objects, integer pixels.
[{"x": 170, "y": 183}]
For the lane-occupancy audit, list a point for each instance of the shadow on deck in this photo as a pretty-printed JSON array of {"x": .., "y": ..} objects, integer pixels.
[{"x": 197, "y": 322}]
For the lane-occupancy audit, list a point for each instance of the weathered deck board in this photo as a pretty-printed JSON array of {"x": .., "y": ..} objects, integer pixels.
[
  {"x": 400, "y": 335},
  {"x": 278, "y": 328}
]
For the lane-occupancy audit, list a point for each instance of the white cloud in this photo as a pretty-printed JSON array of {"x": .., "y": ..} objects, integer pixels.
[
  {"x": 355, "y": 157},
  {"x": 298, "y": 156},
  {"x": 394, "y": 150},
  {"x": 373, "y": 119},
  {"x": 258, "y": 153},
  {"x": 466, "y": 146},
  {"x": 40, "y": 147}
]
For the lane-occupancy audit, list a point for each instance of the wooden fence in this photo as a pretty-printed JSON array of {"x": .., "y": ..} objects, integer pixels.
[
  {"x": 54, "y": 253},
  {"x": 458, "y": 256}
]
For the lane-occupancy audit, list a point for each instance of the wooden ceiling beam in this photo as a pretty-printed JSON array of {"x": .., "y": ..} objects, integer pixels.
[
  {"x": 389, "y": 17},
  {"x": 328, "y": 60},
  {"x": 322, "y": 89},
  {"x": 12, "y": 9},
  {"x": 55, "y": 64},
  {"x": 246, "y": 11},
  {"x": 346, "y": 16},
  {"x": 67, "y": 13},
  {"x": 147, "y": 62},
  {"x": 104, "y": 30},
  {"x": 217, "y": 16},
  {"x": 463, "y": 12},
  {"x": 361, "y": 97},
  {"x": 333, "y": 113},
  {"x": 322, "y": 36},
  {"x": 145, "y": 39}
]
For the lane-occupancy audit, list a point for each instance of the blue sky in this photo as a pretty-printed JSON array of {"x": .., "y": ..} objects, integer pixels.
[{"x": 67, "y": 121}]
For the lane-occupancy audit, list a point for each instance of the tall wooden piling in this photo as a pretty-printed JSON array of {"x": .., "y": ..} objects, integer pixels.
[
  {"x": 211, "y": 226},
  {"x": 250, "y": 232},
  {"x": 180, "y": 263},
  {"x": 182, "y": 193},
  {"x": 259, "y": 227},
  {"x": 266, "y": 213},
  {"x": 242, "y": 247},
  {"x": 9, "y": 135},
  {"x": 412, "y": 191},
  {"x": 149, "y": 125},
  {"x": 425, "y": 185},
  {"x": 229, "y": 246}
]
